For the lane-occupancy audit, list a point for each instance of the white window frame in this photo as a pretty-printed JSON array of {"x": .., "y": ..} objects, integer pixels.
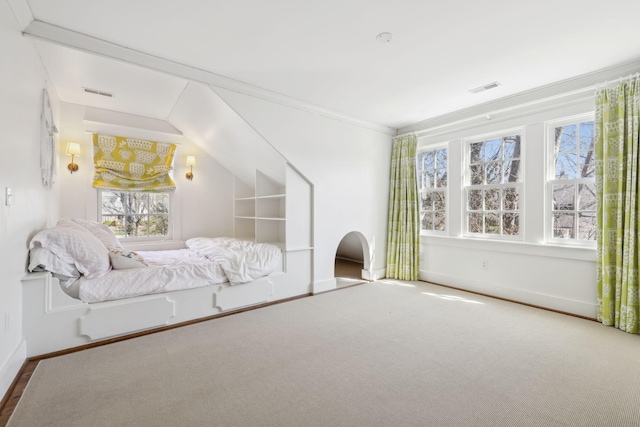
[
  {"x": 550, "y": 127},
  {"x": 467, "y": 187},
  {"x": 422, "y": 190},
  {"x": 168, "y": 236}
]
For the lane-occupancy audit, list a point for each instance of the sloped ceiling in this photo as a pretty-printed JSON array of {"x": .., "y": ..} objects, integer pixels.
[{"x": 325, "y": 53}]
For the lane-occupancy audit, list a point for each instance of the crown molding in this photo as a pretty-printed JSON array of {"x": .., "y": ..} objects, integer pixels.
[
  {"x": 564, "y": 92},
  {"x": 58, "y": 35}
]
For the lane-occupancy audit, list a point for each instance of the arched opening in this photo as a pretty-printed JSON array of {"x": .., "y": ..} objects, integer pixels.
[{"x": 352, "y": 256}]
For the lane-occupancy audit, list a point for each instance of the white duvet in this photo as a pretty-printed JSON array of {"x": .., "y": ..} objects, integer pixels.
[
  {"x": 207, "y": 261},
  {"x": 241, "y": 260}
]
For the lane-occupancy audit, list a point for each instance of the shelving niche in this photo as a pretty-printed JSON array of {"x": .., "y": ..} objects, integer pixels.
[{"x": 260, "y": 212}]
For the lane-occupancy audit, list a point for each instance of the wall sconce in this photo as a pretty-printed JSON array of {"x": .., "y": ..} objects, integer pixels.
[
  {"x": 191, "y": 162},
  {"x": 73, "y": 149}
]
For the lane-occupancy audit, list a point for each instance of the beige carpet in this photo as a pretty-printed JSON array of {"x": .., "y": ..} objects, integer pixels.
[
  {"x": 348, "y": 273},
  {"x": 381, "y": 354}
]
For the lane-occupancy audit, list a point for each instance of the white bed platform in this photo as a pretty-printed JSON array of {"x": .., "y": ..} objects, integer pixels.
[{"x": 53, "y": 321}]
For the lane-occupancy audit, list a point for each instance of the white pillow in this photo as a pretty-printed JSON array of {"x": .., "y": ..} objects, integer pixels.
[
  {"x": 75, "y": 245},
  {"x": 43, "y": 259},
  {"x": 122, "y": 259},
  {"x": 100, "y": 231}
]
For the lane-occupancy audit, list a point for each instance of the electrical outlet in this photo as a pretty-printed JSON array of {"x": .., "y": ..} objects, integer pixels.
[
  {"x": 8, "y": 194},
  {"x": 485, "y": 264},
  {"x": 7, "y": 322}
]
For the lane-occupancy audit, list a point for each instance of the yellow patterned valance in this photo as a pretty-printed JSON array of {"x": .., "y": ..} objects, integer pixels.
[{"x": 132, "y": 164}]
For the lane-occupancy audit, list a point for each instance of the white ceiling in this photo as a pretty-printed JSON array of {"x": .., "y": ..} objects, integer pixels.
[{"x": 325, "y": 53}]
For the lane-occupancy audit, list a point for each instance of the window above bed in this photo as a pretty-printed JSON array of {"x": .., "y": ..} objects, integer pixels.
[{"x": 135, "y": 214}]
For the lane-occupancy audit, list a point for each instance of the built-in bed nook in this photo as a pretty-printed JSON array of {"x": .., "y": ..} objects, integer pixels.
[{"x": 83, "y": 285}]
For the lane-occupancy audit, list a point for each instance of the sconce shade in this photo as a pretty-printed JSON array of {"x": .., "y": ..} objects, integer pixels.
[
  {"x": 73, "y": 149},
  {"x": 191, "y": 161}
]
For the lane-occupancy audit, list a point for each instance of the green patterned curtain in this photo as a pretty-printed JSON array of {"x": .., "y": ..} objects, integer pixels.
[
  {"x": 403, "y": 236},
  {"x": 132, "y": 164},
  {"x": 616, "y": 123}
]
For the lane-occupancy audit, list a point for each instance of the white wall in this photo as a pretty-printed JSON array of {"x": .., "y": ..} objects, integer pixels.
[
  {"x": 530, "y": 271},
  {"x": 348, "y": 166},
  {"x": 22, "y": 80},
  {"x": 202, "y": 207}
]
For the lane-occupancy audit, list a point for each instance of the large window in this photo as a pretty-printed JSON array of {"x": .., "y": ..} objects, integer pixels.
[
  {"x": 132, "y": 214},
  {"x": 571, "y": 182},
  {"x": 432, "y": 189},
  {"x": 493, "y": 190}
]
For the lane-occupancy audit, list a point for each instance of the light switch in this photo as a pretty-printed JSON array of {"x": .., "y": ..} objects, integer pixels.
[{"x": 8, "y": 196}]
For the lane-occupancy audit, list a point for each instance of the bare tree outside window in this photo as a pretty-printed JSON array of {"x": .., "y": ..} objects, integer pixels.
[
  {"x": 494, "y": 186},
  {"x": 573, "y": 210},
  {"x": 431, "y": 174},
  {"x": 135, "y": 214}
]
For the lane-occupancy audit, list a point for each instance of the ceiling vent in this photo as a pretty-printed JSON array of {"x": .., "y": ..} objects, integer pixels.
[
  {"x": 485, "y": 87},
  {"x": 97, "y": 92}
]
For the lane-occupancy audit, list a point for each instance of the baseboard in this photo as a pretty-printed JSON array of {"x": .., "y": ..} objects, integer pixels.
[
  {"x": 374, "y": 274},
  {"x": 10, "y": 369},
  {"x": 324, "y": 285},
  {"x": 344, "y": 258},
  {"x": 552, "y": 302}
]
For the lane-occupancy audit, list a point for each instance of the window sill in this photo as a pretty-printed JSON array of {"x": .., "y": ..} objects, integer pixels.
[{"x": 525, "y": 248}]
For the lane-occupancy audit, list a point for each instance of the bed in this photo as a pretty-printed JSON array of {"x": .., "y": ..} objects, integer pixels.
[{"x": 84, "y": 286}]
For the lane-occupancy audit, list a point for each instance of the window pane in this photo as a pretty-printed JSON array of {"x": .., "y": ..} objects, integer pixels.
[
  {"x": 493, "y": 150},
  {"x": 492, "y": 199},
  {"x": 438, "y": 200},
  {"x": 427, "y": 221},
  {"x": 158, "y": 225},
  {"x": 112, "y": 203},
  {"x": 133, "y": 227},
  {"x": 492, "y": 223},
  {"x": 587, "y": 164},
  {"x": 587, "y": 197},
  {"x": 441, "y": 158},
  {"x": 510, "y": 224},
  {"x": 159, "y": 203},
  {"x": 511, "y": 199},
  {"x": 563, "y": 225},
  {"x": 440, "y": 221},
  {"x": 475, "y": 200},
  {"x": 136, "y": 202},
  {"x": 587, "y": 226},
  {"x": 427, "y": 200},
  {"x": 428, "y": 161},
  {"x": 475, "y": 222},
  {"x": 566, "y": 166},
  {"x": 477, "y": 174},
  {"x": 563, "y": 197},
  {"x": 115, "y": 223},
  {"x": 477, "y": 152},
  {"x": 512, "y": 147},
  {"x": 586, "y": 136},
  {"x": 441, "y": 178},
  {"x": 512, "y": 171},
  {"x": 568, "y": 138},
  {"x": 494, "y": 173}
]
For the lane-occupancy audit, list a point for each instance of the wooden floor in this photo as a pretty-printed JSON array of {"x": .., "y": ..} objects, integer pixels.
[{"x": 14, "y": 393}]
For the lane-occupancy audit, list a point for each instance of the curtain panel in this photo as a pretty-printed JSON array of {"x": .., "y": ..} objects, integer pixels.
[
  {"x": 132, "y": 164},
  {"x": 616, "y": 132},
  {"x": 403, "y": 235}
]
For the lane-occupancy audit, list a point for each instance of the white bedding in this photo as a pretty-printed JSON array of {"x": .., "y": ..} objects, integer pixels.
[
  {"x": 167, "y": 271},
  {"x": 241, "y": 260},
  {"x": 207, "y": 261}
]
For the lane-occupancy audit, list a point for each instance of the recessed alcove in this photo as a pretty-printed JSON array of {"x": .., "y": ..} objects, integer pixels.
[{"x": 350, "y": 260}]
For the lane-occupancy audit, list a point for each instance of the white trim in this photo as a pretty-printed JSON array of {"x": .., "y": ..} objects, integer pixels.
[
  {"x": 541, "y": 300},
  {"x": 511, "y": 246},
  {"x": 378, "y": 274},
  {"x": 12, "y": 367},
  {"x": 65, "y": 37},
  {"x": 565, "y": 92},
  {"x": 324, "y": 285}
]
